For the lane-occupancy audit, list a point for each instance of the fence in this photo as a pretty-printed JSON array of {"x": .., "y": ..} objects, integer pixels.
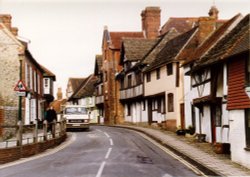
[{"x": 31, "y": 139}]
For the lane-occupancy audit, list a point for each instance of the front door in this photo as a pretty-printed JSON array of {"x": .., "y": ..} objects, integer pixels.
[
  {"x": 149, "y": 111},
  {"x": 213, "y": 122},
  {"x": 182, "y": 116}
]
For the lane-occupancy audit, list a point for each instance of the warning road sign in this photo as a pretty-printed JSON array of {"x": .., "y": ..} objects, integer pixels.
[{"x": 20, "y": 86}]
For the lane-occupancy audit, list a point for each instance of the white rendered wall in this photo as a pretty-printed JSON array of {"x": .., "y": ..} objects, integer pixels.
[{"x": 238, "y": 138}]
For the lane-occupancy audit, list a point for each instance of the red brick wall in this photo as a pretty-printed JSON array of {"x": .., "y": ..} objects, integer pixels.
[
  {"x": 237, "y": 97},
  {"x": 15, "y": 153}
]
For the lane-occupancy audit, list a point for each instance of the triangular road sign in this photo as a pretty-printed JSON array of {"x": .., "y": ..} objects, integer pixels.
[{"x": 20, "y": 86}]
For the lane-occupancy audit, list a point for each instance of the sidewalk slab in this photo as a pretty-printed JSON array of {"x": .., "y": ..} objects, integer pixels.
[{"x": 218, "y": 166}]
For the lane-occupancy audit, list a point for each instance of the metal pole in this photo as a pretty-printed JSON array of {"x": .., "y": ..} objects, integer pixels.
[
  {"x": 19, "y": 133},
  {"x": 20, "y": 98}
]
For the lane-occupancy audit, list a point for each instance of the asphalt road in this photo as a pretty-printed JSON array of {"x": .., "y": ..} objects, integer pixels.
[{"x": 102, "y": 152}]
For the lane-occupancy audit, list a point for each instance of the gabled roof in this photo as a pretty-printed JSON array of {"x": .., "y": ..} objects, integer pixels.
[
  {"x": 171, "y": 50},
  {"x": 116, "y": 38},
  {"x": 133, "y": 49},
  {"x": 180, "y": 24},
  {"x": 75, "y": 83},
  {"x": 98, "y": 64},
  {"x": 86, "y": 88},
  {"x": 48, "y": 73},
  {"x": 235, "y": 42},
  {"x": 151, "y": 55},
  {"x": 198, "y": 51},
  {"x": 21, "y": 48}
]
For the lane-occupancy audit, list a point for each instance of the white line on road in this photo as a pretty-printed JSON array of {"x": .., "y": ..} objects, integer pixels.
[
  {"x": 99, "y": 130},
  {"x": 107, "y": 135},
  {"x": 108, "y": 153},
  {"x": 111, "y": 142},
  {"x": 99, "y": 173}
]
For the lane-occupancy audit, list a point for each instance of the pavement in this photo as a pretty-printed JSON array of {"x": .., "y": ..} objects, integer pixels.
[
  {"x": 199, "y": 154},
  {"x": 28, "y": 138}
]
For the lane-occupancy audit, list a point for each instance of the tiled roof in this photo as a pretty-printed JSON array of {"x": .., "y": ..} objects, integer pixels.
[
  {"x": 196, "y": 53},
  {"x": 116, "y": 38},
  {"x": 171, "y": 50},
  {"x": 75, "y": 82},
  {"x": 236, "y": 41},
  {"x": 136, "y": 48},
  {"x": 86, "y": 88},
  {"x": 180, "y": 24},
  {"x": 151, "y": 55},
  {"x": 48, "y": 73}
]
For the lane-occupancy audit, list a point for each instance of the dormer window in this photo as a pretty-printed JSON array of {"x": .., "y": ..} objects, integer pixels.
[{"x": 148, "y": 77}]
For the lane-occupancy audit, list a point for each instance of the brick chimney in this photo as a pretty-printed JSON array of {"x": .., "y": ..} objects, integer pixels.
[
  {"x": 6, "y": 20},
  {"x": 151, "y": 21},
  {"x": 59, "y": 93},
  {"x": 206, "y": 26}
]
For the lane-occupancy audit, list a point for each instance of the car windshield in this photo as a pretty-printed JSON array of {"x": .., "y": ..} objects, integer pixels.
[{"x": 74, "y": 110}]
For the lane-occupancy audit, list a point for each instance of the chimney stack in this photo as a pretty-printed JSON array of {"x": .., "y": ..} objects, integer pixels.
[
  {"x": 59, "y": 93},
  {"x": 151, "y": 21},
  {"x": 206, "y": 26},
  {"x": 213, "y": 13},
  {"x": 6, "y": 20}
]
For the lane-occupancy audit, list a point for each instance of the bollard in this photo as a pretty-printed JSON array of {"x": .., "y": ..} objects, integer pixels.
[
  {"x": 45, "y": 128},
  {"x": 19, "y": 133},
  {"x": 53, "y": 129}
]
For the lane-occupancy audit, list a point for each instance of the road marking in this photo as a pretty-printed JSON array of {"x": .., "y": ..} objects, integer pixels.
[
  {"x": 99, "y": 130},
  {"x": 111, "y": 142},
  {"x": 99, "y": 173},
  {"x": 46, "y": 153},
  {"x": 108, "y": 153},
  {"x": 107, "y": 135},
  {"x": 165, "y": 149}
]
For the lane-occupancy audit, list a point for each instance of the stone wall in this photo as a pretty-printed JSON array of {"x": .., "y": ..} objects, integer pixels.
[{"x": 9, "y": 76}]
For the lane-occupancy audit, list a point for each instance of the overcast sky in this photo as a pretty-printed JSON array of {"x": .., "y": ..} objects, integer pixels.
[{"x": 66, "y": 35}]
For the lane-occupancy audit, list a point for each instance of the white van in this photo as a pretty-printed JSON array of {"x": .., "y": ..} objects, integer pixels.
[{"x": 76, "y": 117}]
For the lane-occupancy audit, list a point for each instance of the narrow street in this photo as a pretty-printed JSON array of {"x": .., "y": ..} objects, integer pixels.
[{"x": 103, "y": 151}]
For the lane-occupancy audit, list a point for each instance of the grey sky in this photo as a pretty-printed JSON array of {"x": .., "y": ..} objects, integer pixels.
[{"x": 66, "y": 35}]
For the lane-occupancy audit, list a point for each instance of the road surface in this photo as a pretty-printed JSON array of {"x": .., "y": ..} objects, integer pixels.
[{"x": 102, "y": 152}]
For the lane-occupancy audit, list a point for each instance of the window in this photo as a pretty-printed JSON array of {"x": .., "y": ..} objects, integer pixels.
[
  {"x": 129, "y": 80},
  {"x": 159, "y": 105},
  {"x": 143, "y": 105},
  {"x": 138, "y": 79},
  {"x": 46, "y": 82},
  {"x": 128, "y": 109},
  {"x": 169, "y": 69},
  {"x": 163, "y": 105},
  {"x": 158, "y": 73},
  {"x": 122, "y": 83},
  {"x": 148, "y": 77},
  {"x": 218, "y": 116},
  {"x": 247, "y": 122},
  {"x": 170, "y": 102}
]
